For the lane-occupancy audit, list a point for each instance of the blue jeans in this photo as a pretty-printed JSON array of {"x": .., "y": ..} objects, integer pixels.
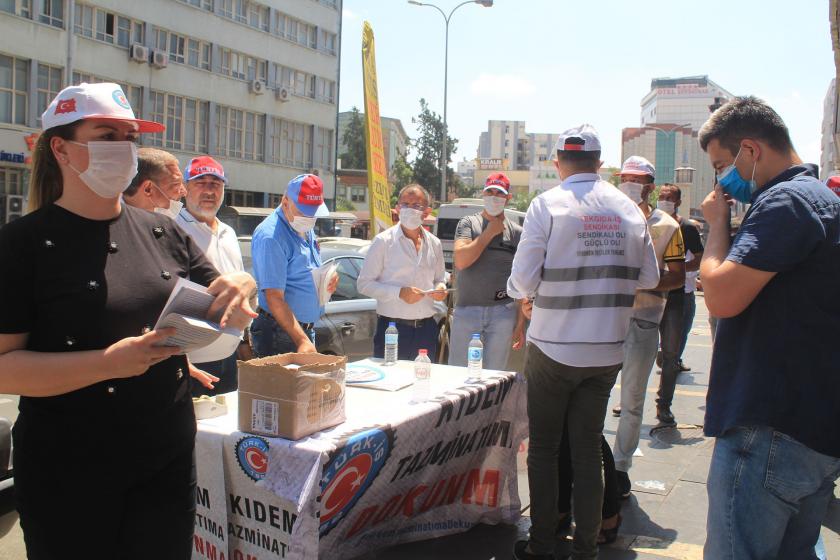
[
  {"x": 495, "y": 323},
  {"x": 269, "y": 339},
  {"x": 639, "y": 356},
  {"x": 689, "y": 309},
  {"x": 411, "y": 340},
  {"x": 768, "y": 495}
]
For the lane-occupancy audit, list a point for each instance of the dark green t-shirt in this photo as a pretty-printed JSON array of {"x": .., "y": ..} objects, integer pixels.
[{"x": 485, "y": 282}]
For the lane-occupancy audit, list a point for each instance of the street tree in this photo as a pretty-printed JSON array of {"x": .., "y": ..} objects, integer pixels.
[
  {"x": 401, "y": 175},
  {"x": 428, "y": 149},
  {"x": 355, "y": 155}
]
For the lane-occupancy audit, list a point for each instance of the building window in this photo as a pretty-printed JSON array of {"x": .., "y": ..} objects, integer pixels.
[
  {"x": 52, "y": 13},
  {"x": 357, "y": 194},
  {"x": 324, "y": 148},
  {"x": 198, "y": 54},
  {"x": 21, "y": 8},
  {"x": 327, "y": 41},
  {"x": 325, "y": 90},
  {"x": 14, "y": 89},
  {"x": 291, "y": 144},
  {"x": 186, "y": 122},
  {"x": 296, "y": 30},
  {"x": 239, "y": 134},
  {"x": 183, "y": 50},
  {"x": 258, "y": 16},
  {"x": 106, "y": 26},
  {"x": 250, "y": 13},
  {"x": 49, "y": 84},
  {"x": 234, "y": 197},
  {"x": 204, "y": 4},
  {"x": 11, "y": 181},
  {"x": 242, "y": 66}
]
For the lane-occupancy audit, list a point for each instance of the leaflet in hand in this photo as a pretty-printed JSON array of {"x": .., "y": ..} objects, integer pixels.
[
  {"x": 185, "y": 310},
  {"x": 322, "y": 276}
]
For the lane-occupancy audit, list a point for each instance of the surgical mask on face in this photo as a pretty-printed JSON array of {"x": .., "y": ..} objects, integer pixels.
[
  {"x": 632, "y": 190},
  {"x": 666, "y": 206},
  {"x": 736, "y": 186},
  {"x": 302, "y": 224},
  {"x": 111, "y": 167},
  {"x": 494, "y": 205},
  {"x": 174, "y": 206},
  {"x": 411, "y": 218}
]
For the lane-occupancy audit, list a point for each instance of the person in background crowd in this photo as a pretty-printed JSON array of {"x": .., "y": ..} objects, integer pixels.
[
  {"x": 670, "y": 198},
  {"x": 284, "y": 253},
  {"x": 584, "y": 251},
  {"x": 404, "y": 272},
  {"x": 774, "y": 394},
  {"x": 205, "y": 193},
  {"x": 106, "y": 432},
  {"x": 637, "y": 176},
  {"x": 158, "y": 185},
  {"x": 484, "y": 247}
]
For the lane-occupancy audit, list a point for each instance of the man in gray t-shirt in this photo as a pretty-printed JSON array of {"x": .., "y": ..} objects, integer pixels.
[{"x": 485, "y": 244}]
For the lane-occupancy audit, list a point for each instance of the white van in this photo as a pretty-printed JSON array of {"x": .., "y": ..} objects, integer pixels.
[{"x": 450, "y": 214}]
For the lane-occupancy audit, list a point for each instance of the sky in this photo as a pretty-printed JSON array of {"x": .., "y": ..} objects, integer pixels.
[{"x": 556, "y": 63}]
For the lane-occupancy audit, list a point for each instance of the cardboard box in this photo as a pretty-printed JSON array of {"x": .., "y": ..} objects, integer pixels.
[{"x": 291, "y": 395}]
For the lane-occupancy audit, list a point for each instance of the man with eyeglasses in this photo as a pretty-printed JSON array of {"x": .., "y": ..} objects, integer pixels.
[
  {"x": 404, "y": 272},
  {"x": 485, "y": 244},
  {"x": 205, "y": 180}
]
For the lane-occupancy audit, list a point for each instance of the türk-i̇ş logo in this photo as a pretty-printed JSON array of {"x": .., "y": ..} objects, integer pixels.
[{"x": 252, "y": 455}]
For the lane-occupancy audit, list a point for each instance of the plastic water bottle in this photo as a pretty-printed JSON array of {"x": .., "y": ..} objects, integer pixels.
[
  {"x": 422, "y": 377},
  {"x": 475, "y": 356},
  {"x": 391, "y": 342}
]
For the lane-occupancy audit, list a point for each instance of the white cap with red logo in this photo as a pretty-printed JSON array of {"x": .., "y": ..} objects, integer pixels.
[{"x": 93, "y": 101}]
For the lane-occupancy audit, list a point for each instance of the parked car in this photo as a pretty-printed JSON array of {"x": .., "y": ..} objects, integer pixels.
[
  {"x": 8, "y": 415},
  {"x": 349, "y": 321}
]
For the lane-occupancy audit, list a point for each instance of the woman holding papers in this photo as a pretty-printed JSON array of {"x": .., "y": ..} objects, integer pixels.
[{"x": 104, "y": 442}]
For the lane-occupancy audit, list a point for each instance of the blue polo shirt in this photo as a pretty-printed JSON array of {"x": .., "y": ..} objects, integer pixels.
[
  {"x": 777, "y": 363},
  {"x": 283, "y": 260}
]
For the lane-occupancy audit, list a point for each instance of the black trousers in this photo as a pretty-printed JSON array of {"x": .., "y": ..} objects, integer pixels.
[
  {"x": 566, "y": 477},
  {"x": 101, "y": 508}
]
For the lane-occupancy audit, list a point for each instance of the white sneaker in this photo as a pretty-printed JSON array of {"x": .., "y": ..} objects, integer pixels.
[{"x": 209, "y": 407}]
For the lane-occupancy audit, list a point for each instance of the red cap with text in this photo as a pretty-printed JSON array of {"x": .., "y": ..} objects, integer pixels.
[
  {"x": 497, "y": 181},
  {"x": 204, "y": 165},
  {"x": 307, "y": 192}
]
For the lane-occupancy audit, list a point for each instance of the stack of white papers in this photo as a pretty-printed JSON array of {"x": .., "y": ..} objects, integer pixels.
[
  {"x": 322, "y": 276},
  {"x": 186, "y": 311}
]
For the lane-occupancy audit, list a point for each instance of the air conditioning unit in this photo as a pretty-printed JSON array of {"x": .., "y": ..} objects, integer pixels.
[
  {"x": 160, "y": 59},
  {"x": 257, "y": 87},
  {"x": 282, "y": 94},
  {"x": 139, "y": 53},
  {"x": 14, "y": 207}
]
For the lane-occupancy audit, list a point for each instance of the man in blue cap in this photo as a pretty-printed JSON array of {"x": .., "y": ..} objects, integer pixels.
[{"x": 284, "y": 253}]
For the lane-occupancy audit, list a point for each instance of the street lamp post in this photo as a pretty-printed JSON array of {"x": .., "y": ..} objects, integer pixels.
[{"x": 446, "y": 18}]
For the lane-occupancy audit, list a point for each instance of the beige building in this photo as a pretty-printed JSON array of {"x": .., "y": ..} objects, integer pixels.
[
  {"x": 395, "y": 140},
  {"x": 252, "y": 83}
]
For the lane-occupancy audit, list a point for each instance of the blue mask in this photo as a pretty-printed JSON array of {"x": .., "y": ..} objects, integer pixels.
[{"x": 736, "y": 186}]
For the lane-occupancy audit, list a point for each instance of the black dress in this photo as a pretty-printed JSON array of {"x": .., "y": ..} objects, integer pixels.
[{"x": 105, "y": 471}]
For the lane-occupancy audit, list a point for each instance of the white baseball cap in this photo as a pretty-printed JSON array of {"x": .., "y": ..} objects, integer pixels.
[
  {"x": 637, "y": 165},
  {"x": 93, "y": 101},
  {"x": 583, "y": 138}
]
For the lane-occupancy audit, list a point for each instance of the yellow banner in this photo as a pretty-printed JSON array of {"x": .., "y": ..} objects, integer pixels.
[{"x": 378, "y": 189}]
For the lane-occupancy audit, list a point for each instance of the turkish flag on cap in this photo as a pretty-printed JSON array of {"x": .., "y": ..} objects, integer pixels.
[{"x": 311, "y": 191}]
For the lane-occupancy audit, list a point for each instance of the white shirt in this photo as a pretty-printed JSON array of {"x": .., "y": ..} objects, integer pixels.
[
  {"x": 221, "y": 246},
  {"x": 392, "y": 263},
  {"x": 222, "y": 249},
  {"x": 585, "y": 250}
]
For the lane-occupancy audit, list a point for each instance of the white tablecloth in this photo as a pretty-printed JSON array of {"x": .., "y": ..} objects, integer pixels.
[{"x": 394, "y": 472}]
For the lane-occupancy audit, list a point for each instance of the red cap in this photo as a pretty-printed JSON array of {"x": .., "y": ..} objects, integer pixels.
[
  {"x": 833, "y": 183},
  {"x": 497, "y": 181},
  {"x": 204, "y": 165}
]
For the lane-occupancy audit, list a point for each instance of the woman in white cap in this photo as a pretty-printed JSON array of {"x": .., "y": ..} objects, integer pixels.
[{"x": 103, "y": 446}]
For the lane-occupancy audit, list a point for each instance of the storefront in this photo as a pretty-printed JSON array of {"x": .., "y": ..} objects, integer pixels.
[{"x": 15, "y": 162}]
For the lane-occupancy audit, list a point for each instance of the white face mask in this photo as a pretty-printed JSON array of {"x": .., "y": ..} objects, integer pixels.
[
  {"x": 174, "y": 206},
  {"x": 632, "y": 190},
  {"x": 666, "y": 206},
  {"x": 302, "y": 224},
  {"x": 494, "y": 205},
  {"x": 111, "y": 167},
  {"x": 411, "y": 218}
]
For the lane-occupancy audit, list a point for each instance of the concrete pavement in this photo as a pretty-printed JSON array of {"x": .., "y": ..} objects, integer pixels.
[{"x": 664, "y": 518}]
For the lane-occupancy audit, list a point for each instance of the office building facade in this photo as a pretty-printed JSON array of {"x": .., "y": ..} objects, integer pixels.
[{"x": 255, "y": 84}]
